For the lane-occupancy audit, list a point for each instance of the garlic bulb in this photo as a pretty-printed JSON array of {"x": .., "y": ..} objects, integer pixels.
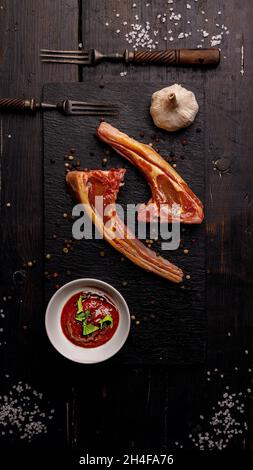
[{"x": 173, "y": 108}]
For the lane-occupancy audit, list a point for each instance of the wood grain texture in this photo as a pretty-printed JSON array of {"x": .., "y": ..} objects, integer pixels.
[{"x": 147, "y": 407}]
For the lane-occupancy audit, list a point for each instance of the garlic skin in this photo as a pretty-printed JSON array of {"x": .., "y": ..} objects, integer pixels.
[{"x": 173, "y": 108}]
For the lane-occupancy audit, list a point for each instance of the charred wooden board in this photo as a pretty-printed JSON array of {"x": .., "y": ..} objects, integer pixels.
[{"x": 171, "y": 323}]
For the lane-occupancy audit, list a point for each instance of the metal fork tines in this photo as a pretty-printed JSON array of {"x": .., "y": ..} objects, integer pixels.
[
  {"x": 87, "y": 109},
  {"x": 66, "y": 57}
]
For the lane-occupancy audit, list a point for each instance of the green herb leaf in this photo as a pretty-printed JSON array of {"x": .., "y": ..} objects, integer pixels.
[
  {"x": 89, "y": 328},
  {"x": 79, "y": 304},
  {"x": 106, "y": 321},
  {"x": 82, "y": 316}
]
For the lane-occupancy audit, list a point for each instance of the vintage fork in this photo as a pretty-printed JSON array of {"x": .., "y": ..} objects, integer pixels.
[
  {"x": 197, "y": 57},
  {"x": 68, "y": 107}
]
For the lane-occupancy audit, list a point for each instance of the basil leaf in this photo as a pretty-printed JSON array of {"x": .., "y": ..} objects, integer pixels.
[
  {"x": 89, "y": 328},
  {"x": 106, "y": 321},
  {"x": 82, "y": 316}
]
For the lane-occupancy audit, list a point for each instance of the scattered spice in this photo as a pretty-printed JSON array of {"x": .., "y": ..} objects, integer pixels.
[{"x": 152, "y": 33}]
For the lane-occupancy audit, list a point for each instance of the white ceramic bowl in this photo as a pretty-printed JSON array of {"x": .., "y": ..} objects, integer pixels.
[{"x": 70, "y": 350}]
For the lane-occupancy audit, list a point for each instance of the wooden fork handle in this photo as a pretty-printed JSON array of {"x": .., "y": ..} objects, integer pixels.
[
  {"x": 13, "y": 104},
  {"x": 200, "y": 57}
]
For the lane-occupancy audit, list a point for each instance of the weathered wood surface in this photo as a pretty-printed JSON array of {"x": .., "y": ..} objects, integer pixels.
[
  {"x": 165, "y": 403},
  {"x": 171, "y": 321}
]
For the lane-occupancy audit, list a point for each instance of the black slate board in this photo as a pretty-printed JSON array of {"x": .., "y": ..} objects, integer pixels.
[{"x": 172, "y": 328}]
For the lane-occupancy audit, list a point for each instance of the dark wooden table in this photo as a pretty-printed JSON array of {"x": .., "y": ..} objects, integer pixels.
[{"x": 129, "y": 408}]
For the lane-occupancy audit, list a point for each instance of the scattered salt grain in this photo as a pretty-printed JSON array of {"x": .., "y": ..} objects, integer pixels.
[
  {"x": 20, "y": 412},
  {"x": 188, "y": 6},
  {"x": 225, "y": 423}
]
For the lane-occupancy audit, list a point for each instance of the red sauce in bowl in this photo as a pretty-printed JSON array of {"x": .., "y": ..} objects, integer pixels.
[{"x": 98, "y": 307}]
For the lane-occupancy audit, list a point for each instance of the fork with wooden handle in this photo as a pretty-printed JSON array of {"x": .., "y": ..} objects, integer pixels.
[
  {"x": 68, "y": 107},
  {"x": 176, "y": 57}
]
